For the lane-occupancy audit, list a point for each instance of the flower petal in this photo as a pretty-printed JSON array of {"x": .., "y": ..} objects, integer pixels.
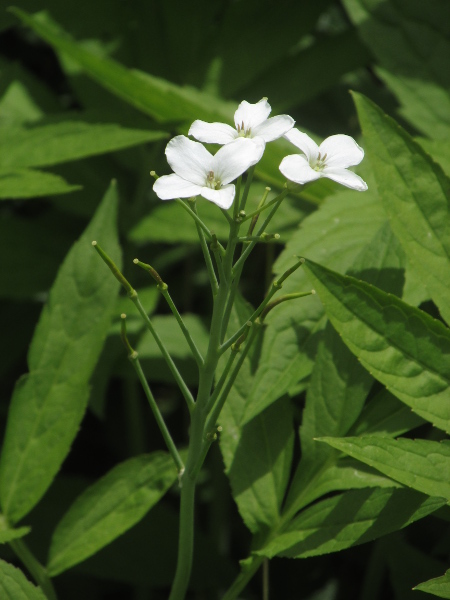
[
  {"x": 274, "y": 128},
  {"x": 252, "y": 114},
  {"x": 190, "y": 160},
  {"x": 341, "y": 151},
  {"x": 223, "y": 197},
  {"x": 212, "y": 133},
  {"x": 303, "y": 143},
  {"x": 296, "y": 168},
  {"x": 172, "y": 186},
  {"x": 344, "y": 177},
  {"x": 235, "y": 158}
]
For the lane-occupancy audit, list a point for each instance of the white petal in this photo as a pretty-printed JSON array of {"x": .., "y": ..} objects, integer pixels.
[
  {"x": 212, "y": 133},
  {"x": 303, "y": 143},
  {"x": 252, "y": 114},
  {"x": 223, "y": 197},
  {"x": 274, "y": 128},
  {"x": 190, "y": 160},
  {"x": 235, "y": 158},
  {"x": 172, "y": 186},
  {"x": 296, "y": 168},
  {"x": 344, "y": 177},
  {"x": 341, "y": 151}
]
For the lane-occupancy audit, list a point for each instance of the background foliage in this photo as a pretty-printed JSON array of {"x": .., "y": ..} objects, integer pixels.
[{"x": 90, "y": 93}]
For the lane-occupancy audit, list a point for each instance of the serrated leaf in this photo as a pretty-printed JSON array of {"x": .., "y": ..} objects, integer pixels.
[
  {"x": 440, "y": 586},
  {"x": 350, "y": 519},
  {"x": 411, "y": 42},
  {"x": 48, "y": 403},
  {"x": 416, "y": 195},
  {"x": 45, "y": 145},
  {"x": 402, "y": 346},
  {"x": 110, "y": 507},
  {"x": 28, "y": 183},
  {"x": 15, "y": 586},
  {"x": 421, "y": 464}
]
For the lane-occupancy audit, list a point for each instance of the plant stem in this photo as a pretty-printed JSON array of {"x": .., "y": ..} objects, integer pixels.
[
  {"x": 157, "y": 413},
  {"x": 38, "y": 572}
]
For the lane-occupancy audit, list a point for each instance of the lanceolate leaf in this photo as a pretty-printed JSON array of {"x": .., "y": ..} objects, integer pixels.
[
  {"x": 45, "y": 145},
  {"x": 15, "y": 586},
  {"x": 416, "y": 196},
  {"x": 400, "y": 345},
  {"x": 421, "y": 464},
  {"x": 48, "y": 403},
  {"x": 27, "y": 183},
  {"x": 350, "y": 519},
  {"x": 110, "y": 507},
  {"x": 438, "y": 587}
]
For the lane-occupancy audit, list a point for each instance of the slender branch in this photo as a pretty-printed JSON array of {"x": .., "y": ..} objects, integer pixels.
[
  {"x": 163, "y": 288},
  {"x": 133, "y": 356},
  {"x": 248, "y": 183},
  {"x": 133, "y": 295},
  {"x": 207, "y": 257},
  {"x": 38, "y": 571},
  {"x": 195, "y": 216}
]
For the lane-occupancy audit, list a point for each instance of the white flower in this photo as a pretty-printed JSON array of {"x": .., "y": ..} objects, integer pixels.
[
  {"x": 197, "y": 172},
  {"x": 251, "y": 121},
  {"x": 330, "y": 159}
]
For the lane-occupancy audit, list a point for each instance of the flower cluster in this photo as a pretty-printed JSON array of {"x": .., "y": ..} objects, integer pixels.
[{"x": 198, "y": 172}]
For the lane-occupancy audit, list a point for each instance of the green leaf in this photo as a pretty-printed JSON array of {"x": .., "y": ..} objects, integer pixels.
[
  {"x": 48, "y": 403},
  {"x": 15, "y": 586},
  {"x": 440, "y": 586},
  {"x": 411, "y": 42},
  {"x": 402, "y": 346},
  {"x": 7, "y": 533},
  {"x": 415, "y": 193},
  {"x": 27, "y": 183},
  {"x": 421, "y": 464},
  {"x": 44, "y": 145},
  {"x": 110, "y": 507},
  {"x": 350, "y": 519}
]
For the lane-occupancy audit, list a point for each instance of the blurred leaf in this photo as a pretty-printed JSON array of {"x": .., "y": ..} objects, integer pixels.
[
  {"x": 15, "y": 586},
  {"x": 402, "y": 346},
  {"x": 45, "y": 238},
  {"x": 416, "y": 194},
  {"x": 274, "y": 29},
  {"x": 299, "y": 78},
  {"x": 48, "y": 403},
  {"x": 44, "y": 145},
  {"x": 27, "y": 183},
  {"x": 411, "y": 42},
  {"x": 349, "y": 519},
  {"x": 438, "y": 587},
  {"x": 110, "y": 507},
  {"x": 421, "y": 464}
]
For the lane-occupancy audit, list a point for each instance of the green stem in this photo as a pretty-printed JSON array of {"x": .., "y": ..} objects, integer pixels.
[
  {"x": 157, "y": 413},
  {"x": 38, "y": 572},
  {"x": 241, "y": 581},
  {"x": 195, "y": 216},
  {"x": 248, "y": 183},
  {"x": 207, "y": 257}
]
